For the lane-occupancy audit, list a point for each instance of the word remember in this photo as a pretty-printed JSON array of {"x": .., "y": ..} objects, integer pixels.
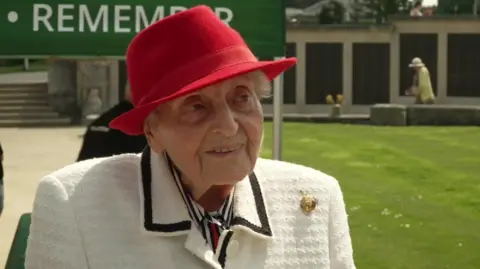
[{"x": 125, "y": 18}]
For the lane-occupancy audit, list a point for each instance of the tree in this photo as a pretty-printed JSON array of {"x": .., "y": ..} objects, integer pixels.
[
  {"x": 456, "y": 7},
  {"x": 299, "y": 3},
  {"x": 332, "y": 13},
  {"x": 381, "y": 9}
]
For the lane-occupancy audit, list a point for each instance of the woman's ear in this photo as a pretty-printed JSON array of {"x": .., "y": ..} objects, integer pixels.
[
  {"x": 152, "y": 137},
  {"x": 147, "y": 130}
]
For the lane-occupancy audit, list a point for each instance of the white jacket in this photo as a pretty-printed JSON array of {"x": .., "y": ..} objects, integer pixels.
[{"x": 125, "y": 212}]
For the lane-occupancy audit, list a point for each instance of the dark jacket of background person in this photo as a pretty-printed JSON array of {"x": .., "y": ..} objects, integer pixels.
[
  {"x": 101, "y": 141},
  {"x": 1, "y": 180}
]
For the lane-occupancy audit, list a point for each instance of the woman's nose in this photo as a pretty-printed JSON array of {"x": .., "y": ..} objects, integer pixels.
[{"x": 225, "y": 122}]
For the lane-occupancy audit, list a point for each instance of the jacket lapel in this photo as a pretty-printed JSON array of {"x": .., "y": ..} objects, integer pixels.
[
  {"x": 250, "y": 213},
  {"x": 164, "y": 213}
]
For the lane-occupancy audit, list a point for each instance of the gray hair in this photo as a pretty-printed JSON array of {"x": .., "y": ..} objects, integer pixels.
[{"x": 262, "y": 85}]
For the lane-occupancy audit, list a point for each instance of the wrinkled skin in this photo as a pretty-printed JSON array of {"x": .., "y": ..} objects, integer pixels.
[{"x": 194, "y": 129}]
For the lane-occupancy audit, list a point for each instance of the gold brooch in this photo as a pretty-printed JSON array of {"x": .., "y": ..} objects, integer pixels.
[{"x": 308, "y": 203}]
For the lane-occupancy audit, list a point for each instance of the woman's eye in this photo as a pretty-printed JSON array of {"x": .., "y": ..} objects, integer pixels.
[
  {"x": 197, "y": 107},
  {"x": 243, "y": 98},
  {"x": 243, "y": 95}
]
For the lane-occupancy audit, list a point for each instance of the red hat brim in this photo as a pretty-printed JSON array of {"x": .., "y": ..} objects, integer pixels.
[{"x": 131, "y": 122}]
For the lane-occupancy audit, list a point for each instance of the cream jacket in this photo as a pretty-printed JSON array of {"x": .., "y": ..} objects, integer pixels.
[
  {"x": 425, "y": 90},
  {"x": 124, "y": 212}
]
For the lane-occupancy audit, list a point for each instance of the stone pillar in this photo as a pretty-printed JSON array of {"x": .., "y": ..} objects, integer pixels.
[
  {"x": 394, "y": 68},
  {"x": 300, "y": 85},
  {"x": 442, "y": 67},
  {"x": 114, "y": 89},
  {"x": 62, "y": 82},
  {"x": 94, "y": 83},
  {"x": 347, "y": 75}
]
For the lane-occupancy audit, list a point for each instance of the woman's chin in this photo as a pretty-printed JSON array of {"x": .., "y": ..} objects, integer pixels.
[{"x": 229, "y": 177}]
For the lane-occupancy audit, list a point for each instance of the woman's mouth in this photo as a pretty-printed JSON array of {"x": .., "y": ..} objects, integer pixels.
[{"x": 225, "y": 151}]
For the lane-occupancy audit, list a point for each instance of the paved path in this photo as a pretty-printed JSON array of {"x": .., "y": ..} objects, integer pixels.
[
  {"x": 29, "y": 155},
  {"x": 24, "y": 77}
]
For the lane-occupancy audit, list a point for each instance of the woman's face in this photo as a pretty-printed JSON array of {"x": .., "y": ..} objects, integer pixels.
[{"x": 213, "y": 135}]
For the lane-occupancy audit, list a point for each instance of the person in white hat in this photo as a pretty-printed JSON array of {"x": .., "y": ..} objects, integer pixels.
[{"x": 422, "y": 86}]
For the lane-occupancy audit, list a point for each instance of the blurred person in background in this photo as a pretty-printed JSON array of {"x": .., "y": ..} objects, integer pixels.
[
  {"x": 102, "y": 141},
  {"x": 422, "y": 86},
  {"x": 429, "y": 11},
  {"x": 417, "y": 9}
]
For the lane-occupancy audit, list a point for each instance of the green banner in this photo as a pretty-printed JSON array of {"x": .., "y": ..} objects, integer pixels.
[{"x": 90, "y": 28}]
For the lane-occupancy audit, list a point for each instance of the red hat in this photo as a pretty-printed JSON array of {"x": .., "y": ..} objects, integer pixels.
[{"x": 183, "y": 53}]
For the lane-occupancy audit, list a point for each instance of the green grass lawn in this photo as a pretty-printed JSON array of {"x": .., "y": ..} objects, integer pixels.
[{"x": 412, "y": 193}]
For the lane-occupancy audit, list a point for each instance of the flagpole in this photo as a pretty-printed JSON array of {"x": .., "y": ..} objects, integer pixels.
[{"x": 277, "y": 115}]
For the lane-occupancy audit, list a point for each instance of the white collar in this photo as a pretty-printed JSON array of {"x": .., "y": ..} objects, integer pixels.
[{"x": 164, "y": 213}]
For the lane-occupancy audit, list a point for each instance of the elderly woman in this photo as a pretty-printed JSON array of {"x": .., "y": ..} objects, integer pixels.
[
  {"x": 198, "y": 196},
  {"x": 422, "y": 86}
]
